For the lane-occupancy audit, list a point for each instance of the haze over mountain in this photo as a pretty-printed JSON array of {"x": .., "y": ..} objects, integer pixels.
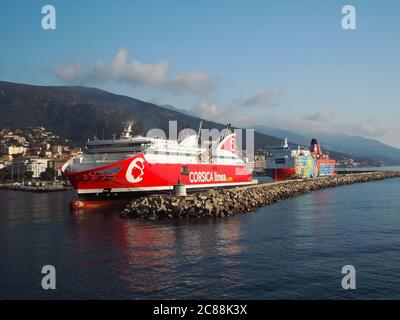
[{"x": 354, "y": 145}]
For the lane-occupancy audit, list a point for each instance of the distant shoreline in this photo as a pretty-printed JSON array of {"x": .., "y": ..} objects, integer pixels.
[{"x": 38, "y": 189}]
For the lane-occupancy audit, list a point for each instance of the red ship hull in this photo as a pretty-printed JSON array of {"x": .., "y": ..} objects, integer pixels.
[
  {"x": 281, "y": 174},
  {"x": 135, "y": 176}
]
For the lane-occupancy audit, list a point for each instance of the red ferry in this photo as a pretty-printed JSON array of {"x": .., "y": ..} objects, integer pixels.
[{"x": 133, "y": 166}]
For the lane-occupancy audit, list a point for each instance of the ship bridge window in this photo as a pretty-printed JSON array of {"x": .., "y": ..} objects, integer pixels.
[{"x": 113, "y": 170}]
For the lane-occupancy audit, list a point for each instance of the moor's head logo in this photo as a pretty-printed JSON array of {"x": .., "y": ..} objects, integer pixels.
[{"x": 134, "y": 173}]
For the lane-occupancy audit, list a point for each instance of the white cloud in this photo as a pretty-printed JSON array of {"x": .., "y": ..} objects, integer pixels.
[
  {"x": 237, "y": 111},
  {"x": 72, "y": 72},
  {"x": 133, "y": 72},
  {"x": 207, "y": 110},
  {"x": 372, "y": 129},
  {"x": 137, "y": 73},
  {"x": 320, "y": 116},
  {"x": 194, "y": 82},
  {"x": 260, "y": 99}
]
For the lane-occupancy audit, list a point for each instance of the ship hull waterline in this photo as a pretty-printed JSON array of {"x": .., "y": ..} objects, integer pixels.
[{"x": 135, "y": 177}]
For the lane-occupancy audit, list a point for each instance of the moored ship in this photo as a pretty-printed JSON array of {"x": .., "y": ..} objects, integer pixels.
[
  {"x": 135, "y": 165},
  {"x": 324, "y": 165},
  {"x": 288, "y": 163}
]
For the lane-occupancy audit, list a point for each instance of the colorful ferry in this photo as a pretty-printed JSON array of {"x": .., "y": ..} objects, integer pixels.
[{"x": 289, "y": 163}]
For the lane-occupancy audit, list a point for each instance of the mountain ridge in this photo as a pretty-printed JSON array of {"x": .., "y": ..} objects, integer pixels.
[{"x": 78, "y": 113}]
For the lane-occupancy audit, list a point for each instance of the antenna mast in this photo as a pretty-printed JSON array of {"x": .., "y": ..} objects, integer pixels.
[{"x": 199, "y": 131}]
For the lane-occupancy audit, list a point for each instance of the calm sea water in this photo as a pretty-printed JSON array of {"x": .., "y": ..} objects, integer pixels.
[{"x": 292, "y": 249}]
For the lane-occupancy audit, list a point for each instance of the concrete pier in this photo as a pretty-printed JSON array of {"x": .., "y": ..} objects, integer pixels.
[{"x": 228, "y": 201}]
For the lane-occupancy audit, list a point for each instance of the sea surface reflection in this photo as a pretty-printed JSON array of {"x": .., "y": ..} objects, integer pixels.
[{"x": 292, "y": 249}]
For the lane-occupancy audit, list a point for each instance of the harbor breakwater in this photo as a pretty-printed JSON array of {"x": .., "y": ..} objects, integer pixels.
[{"x": 228, "y": 201}]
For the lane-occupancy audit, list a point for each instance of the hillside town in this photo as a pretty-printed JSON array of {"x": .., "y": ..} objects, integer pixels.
[{"x": 32, "y": 154}]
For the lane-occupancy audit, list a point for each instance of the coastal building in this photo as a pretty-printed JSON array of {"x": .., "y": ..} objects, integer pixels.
[
  {"x": 6, "y": 158},
  {"x": 56, "y": 164},
  {"x": 18, "y": 139},
  {"x": 11, "y": 150},
  {"x": 14, "y": 138},
  {"x": 57, "y": 149},
  {"x": 34, "y": 151},
  {"x": 45, "y": 154},
  {"x": 16, "y": 168},
  {"x": 37, "y": 166}
]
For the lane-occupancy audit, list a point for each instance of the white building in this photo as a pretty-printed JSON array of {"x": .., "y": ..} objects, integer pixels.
[
  {"x": 19, "y": 139},
  {"x": 57, "y": 149},
  {"x": 13, "y": 150},
  {"x": 37, "y": 166}
]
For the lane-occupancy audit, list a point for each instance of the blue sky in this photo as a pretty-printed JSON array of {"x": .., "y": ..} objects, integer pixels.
[{"x": 284, "y": 63}]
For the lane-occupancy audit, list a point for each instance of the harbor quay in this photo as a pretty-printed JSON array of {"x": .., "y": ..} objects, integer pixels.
[
  {"x": 229, "y": 201},
  {"x": 35, "y": 187}
]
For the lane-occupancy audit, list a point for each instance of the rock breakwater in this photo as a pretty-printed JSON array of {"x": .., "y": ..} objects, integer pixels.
[{"x": 228, "y": 201}]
